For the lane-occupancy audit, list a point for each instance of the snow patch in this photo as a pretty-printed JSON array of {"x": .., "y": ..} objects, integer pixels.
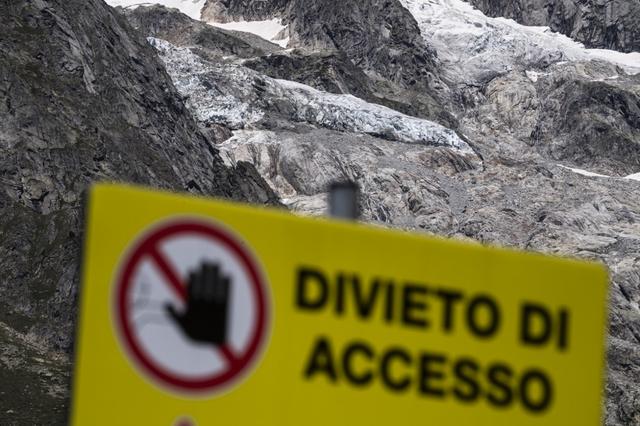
[
  {"x": 584, "y": 172},
  {"x": 271, "y": 30},
  {"x": 598, "y": 175},
  {"x": 634, "y": 177},
  {"x": 534, "y": 75},
  {"x": 191, "y": 8}
]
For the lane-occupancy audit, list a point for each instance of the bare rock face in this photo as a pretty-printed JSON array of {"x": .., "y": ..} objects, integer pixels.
[
  {"x": 573, "y": 113},
  {"x": 608, "y": 24},
  {"x": 84, "y": 99},
  {"x": 234, "y": 10},
  {"x": 590, "y": 120},
  {"x": 405, "y": 185},
  {"x": 378, "y": 36}
]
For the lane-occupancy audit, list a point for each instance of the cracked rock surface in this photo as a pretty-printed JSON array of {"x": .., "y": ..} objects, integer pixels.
[{"x": 83, "y": 99}]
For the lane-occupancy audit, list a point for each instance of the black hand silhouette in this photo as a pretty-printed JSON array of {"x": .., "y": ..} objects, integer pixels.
[{"x": 205, "y": 316}]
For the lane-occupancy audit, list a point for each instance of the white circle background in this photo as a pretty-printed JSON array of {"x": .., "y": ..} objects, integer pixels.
[{"x": 159, "y": 336}]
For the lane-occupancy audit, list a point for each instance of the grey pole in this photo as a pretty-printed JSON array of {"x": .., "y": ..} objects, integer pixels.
[{"x": 344, "y": 200}]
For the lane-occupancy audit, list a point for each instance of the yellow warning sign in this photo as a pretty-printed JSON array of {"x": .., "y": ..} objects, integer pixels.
[{"x": 198, "y": 312}]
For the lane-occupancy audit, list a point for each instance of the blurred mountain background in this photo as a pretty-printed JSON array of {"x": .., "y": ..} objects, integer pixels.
[{"x": 454, "y": 121}]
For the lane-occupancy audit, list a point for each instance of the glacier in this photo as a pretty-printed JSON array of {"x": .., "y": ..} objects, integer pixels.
[
  {"x": 476, "y": 48},
  {"x": 238, "y": 97}
]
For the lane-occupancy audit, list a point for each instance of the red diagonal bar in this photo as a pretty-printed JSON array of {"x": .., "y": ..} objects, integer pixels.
[
  {"x": 228, "y": 355},
  {"x": 172, "y": 277}
]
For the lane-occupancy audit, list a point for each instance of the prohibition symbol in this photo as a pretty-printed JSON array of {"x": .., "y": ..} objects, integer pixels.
[{"x": 191, "y": 306}]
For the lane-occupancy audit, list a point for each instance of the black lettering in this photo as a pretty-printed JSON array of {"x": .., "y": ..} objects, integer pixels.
[
  {"x": 563, "y": 333},
  {"x": 365, "y": 303},
  {"x": 347, "y": 363},
  {"x": 321, "y": 361},
  {"x": 528, "y": 333},
  {"x": 304, "y": 298},
  {"x": 430, "y": 371},
  {"x": 546, "y": 392},
  {"x": 449, "y": 298},
  {"x": 389, "y": 313},
  {"x": 412, "y": 305},
  {"x": 491, "y": 307},
  {"x": 340, "y": 284},
  {"x": 466, "y": 371},
  {"x": 500, "y": 394},
  {"x": 385, "y": 369}
]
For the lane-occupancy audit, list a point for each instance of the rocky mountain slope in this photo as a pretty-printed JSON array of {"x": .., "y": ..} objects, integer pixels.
[
  {"x": 83, "y": 99},
  {"x": 451, "y": 121},
  {"x": 608, "y": 24}
]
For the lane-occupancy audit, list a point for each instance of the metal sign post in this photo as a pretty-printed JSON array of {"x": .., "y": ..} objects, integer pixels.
[{"x": 344, "y": 200}]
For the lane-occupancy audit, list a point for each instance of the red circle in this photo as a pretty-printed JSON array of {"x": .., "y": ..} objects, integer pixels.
[{"x": 147, "y": 245}]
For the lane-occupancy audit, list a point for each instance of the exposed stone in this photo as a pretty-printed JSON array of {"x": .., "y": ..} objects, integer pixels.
[{"x": 84, "y": 99}]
